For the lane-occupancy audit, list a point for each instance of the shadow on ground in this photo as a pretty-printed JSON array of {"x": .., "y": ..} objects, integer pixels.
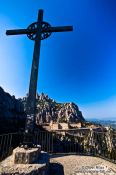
[
  {"x": 56, "y": 169},
  {"x": 67, "y": 154},
  {"x": 61, "y": 155}
]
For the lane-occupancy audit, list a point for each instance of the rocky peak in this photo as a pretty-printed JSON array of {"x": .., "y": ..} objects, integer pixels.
[{"x": 49, "y": 110}]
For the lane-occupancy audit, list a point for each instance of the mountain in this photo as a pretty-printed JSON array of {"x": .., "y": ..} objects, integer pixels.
[{"x": 49, "y": 110}]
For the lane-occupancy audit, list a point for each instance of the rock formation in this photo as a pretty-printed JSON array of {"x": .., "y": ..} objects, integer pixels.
[
  {"x": 12, "y": 112},
  {"x": 49, "y": 110},
  {"x": 12, "y": 116}
]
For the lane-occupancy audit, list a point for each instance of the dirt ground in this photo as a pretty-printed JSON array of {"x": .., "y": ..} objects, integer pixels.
[{"x": 83, "y": 165}]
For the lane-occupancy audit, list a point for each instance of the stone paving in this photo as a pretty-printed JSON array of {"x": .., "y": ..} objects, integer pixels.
[{"x": 84, "y": 165}]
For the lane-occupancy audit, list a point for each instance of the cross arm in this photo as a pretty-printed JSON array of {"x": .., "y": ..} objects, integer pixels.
[{"x": 49, "y": 29}]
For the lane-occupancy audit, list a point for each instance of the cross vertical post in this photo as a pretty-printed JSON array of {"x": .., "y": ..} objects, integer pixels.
[{"x": 31, "y": 99}]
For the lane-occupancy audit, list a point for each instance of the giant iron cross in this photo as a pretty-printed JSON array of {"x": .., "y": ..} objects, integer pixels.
[{"x": 37, "y": 31}]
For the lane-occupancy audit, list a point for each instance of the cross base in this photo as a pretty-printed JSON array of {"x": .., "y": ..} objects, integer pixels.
[{"x": 26, "y": 156}]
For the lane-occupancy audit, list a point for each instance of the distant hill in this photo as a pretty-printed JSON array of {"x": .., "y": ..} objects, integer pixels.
[{"x": 104, "y": 122}]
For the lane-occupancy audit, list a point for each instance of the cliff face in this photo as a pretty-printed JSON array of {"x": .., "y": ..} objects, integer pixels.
[
  {"x": 49, "y": 110},
  {"x": 12, "y": 116}
]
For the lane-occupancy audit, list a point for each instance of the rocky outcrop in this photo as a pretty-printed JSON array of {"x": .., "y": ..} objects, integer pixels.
[
  {"x": 12, "y": 115},
  {"x": 49, "y": 110}
]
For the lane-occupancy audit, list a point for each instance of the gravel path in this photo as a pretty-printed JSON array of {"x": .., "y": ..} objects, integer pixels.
[{"x": 84, "y": 165}]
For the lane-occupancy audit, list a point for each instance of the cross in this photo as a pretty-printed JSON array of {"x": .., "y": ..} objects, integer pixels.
[{"x": 37, "y": 31}]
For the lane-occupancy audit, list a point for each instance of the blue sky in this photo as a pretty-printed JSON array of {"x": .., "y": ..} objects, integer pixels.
[{"x": 76, "y": 66}]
